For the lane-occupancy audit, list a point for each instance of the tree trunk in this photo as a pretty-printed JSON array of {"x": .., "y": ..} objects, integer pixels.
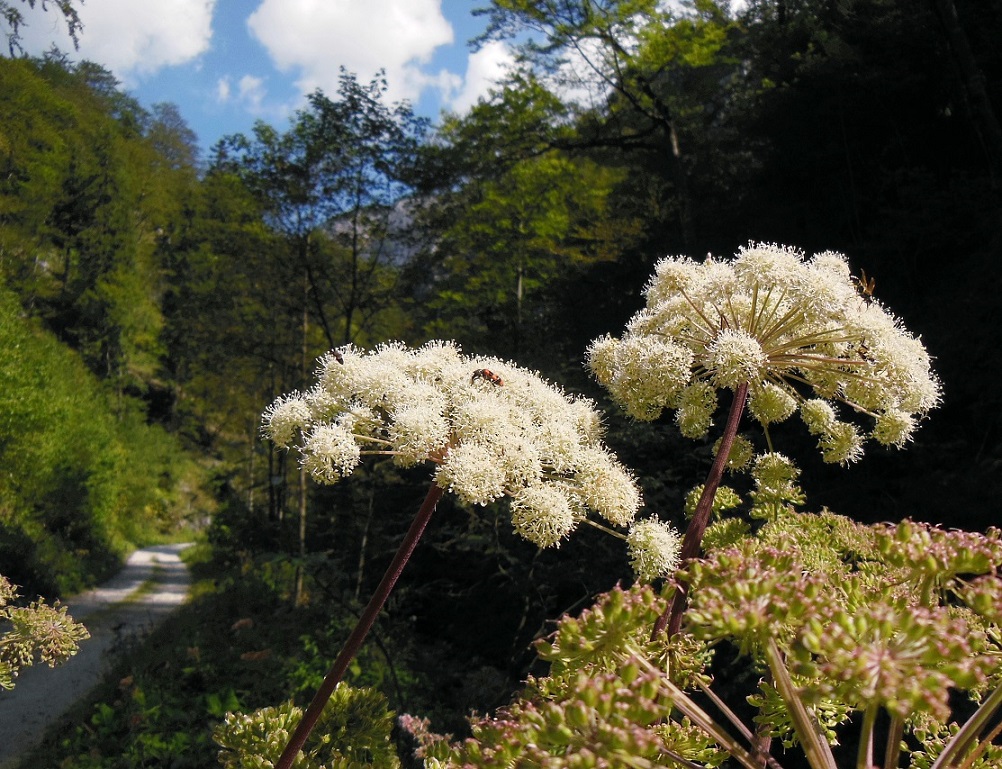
[
  {"x": 301, "y": 565},
  {"x": 365, "y": 538},
  {"x": 250, "y": 470},
  {"x": 518, "y": 312},
  {"x": 974, "y": 93},
  {"x": 682, "y": 188}
]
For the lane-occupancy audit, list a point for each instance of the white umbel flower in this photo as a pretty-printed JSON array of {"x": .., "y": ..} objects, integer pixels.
[
  {"x": 329, "y": 453},
  {"x": 473, "y": 473},
  {"x": 798, "y": 332},
  {"x": 542, "y": 514},
  {"x": 894, "y": 428},
  {"x": 696, "y": 404},
  {"x": 285, "y": 418},
  {"x": 491, "y": 429},
  {"x": 644, "y": 373},
  {"x": 770, "y": 403},
  {"x": 735, "y": 357},
  {"x": 654, "y": 549},
  {"x": 605, "y": 486},
  {"x": 418, "y": 432}
]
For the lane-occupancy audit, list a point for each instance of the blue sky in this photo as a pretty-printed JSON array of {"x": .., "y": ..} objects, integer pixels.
[{"x": 227, "y": 63}]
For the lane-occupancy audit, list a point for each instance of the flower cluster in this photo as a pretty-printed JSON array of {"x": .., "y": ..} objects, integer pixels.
[
  {"x": 855, "y": 638},
  {"x": 749, "y": 593},
  {"x": 892, "y": 653},
  {"x": 654, "y": 549},
  {"x": 356, "y": 732},
  {"x": 928, "y": 555},
  {"x": 776, "y": 486},
  {"x": 813, "y": 599},
  {"x": 601, "y": 719},
  {"x": 492, "y": 429},
  {"x": 797, "y": 331},
  {"x": 38, "y": 632}
]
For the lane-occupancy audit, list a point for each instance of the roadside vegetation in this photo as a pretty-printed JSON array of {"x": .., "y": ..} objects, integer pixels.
[{"x": 158, "y": 305}]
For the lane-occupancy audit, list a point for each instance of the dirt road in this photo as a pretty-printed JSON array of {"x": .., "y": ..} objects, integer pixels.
[{"x": 153, "y": 583}]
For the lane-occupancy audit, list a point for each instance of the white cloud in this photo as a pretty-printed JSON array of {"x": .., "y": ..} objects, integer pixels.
[
  {"x": 223, "y": 89},
  {"x": 578, "y": 79},
  {"x": 129, "y": 37},
  {"x": 484, "y": 69},
  {"x": 251, "y": 92},
  {"x": 314, "y": 38}
]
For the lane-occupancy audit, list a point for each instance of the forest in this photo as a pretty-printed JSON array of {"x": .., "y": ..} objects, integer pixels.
[{"x": 155, "y": 300}]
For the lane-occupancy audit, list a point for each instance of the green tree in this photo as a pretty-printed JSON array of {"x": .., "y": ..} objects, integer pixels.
[
  {"x": 85, "y": 203},
  {"x": 330, "y": 187},
  {"x": 35, "y": 148},
  {"x": 231, "y": 332},
  {"x": 13, "y": 18},
  {"x": 638, "y": 73},
  {"x": 175, "y": 144},
  {"x": 511, "y": 242}
]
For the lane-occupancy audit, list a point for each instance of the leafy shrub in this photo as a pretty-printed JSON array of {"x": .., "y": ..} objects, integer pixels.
[{"x": 84, "y": 478}]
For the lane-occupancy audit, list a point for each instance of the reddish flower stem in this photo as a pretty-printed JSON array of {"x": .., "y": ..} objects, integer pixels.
[
  {"x": 672, "y": 616},
  {"x": 362, "y": 628}
]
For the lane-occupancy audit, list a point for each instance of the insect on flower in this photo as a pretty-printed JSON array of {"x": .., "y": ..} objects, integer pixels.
[
  {"x": 336, "y": 354},
  {"x": 865, "y": 284},
  {"x": 486, "y": 373},
  {"x": 864, "y": 351}
]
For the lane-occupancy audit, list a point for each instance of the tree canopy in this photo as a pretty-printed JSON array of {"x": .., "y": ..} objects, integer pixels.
[{"x": 185, "y": 293}]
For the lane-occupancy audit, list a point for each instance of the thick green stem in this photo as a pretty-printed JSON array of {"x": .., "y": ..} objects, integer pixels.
[
  {"x": 864, "y": 755},
  {"x": 362, "y": 628},
  {"x": 816, "y": 748},
  {"x": 894, "y": 735},
  {"x": 672, "y": 617},
  {"x": 963, "y": 740},
  {"x": 703, "y": 721},
  {"x": 763, "y": 740}
]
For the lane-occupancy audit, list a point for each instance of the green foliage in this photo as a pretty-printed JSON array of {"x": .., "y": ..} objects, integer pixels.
[
  {"x": 218, "y": 374},
  {"x": 520, "y": 120},
  {"x": 515, "y": 239},
  {"x": 140, "y": 732},
  {"x": 80, "y": 483},
  {"x": 353, "y": 731},
  {"x": 373, "y": 668},
  {"x": 654, "y": 69},
  {"x": 84, "y": 203},
  {"x": 855, "y": 634}
]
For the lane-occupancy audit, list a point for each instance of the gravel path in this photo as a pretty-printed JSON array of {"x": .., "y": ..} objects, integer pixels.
[{"x": 153, "y": 583}]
